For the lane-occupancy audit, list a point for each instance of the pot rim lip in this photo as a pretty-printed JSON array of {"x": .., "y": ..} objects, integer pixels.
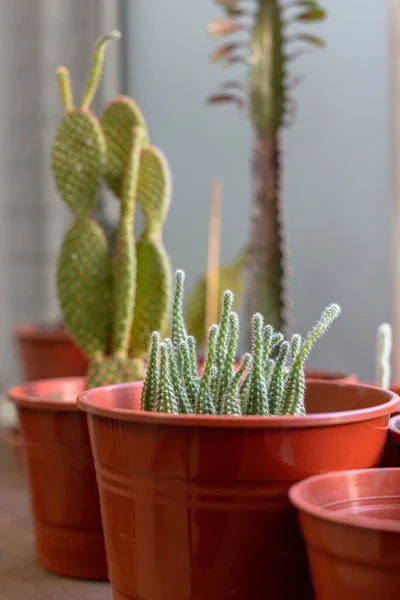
[
  {"x": 37, "y": 332},
  {"x": 21, "y": 397},
  {"x": 334, "y": 375},
  {"x": 86, "y": 403},
  {"x": 394, "y": 428},
  {"x": 359, "y": 522}
]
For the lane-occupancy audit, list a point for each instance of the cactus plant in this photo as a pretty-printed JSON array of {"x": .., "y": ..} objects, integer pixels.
[
  {"x": 269, "y": 380},
  {"x": 266, "y": 96},
  {"x": 383, "y": 352},
  {"x": 110, "y": 301}
]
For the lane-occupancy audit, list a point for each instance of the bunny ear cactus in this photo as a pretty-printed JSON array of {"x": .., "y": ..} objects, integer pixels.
[
  {"x": 110, "y": 303},
  {"x": 265, "y": 97},
  {"x": 269, "y": 381}
]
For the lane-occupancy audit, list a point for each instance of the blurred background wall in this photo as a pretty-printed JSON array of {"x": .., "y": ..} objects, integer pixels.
[{"x": 336, "y": 183}]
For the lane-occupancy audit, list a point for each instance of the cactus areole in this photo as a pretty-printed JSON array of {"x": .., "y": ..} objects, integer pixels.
[
  {"x": 265, "y": 97},
  {"x": 110, "y": 303}
]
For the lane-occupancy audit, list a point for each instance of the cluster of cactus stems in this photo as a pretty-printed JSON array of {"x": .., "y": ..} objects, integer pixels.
[
  {"x": 257, "y": 34},
  {"x": 383, "y": 353},
  {"x": 111, "y": 300},
  {"x": 268, "y": 381}
]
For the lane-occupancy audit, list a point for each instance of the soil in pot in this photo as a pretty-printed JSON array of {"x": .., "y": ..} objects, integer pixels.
[
  {"x": 196, "y": 507},
  {"x": 351, "y": 525},
  {"x": 61, "y": 477},
  {"x": 47, "y": 352}
]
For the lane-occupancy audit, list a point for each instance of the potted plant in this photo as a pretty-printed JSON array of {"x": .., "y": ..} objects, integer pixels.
[
  {"x": 109, "y": 303},
  {"x": 351, "y": 526},
  {"x": 193, "y": 487}
]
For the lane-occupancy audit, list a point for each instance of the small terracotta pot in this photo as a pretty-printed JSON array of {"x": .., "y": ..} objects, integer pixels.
[
  {"x": 351, "y": 526},
  {"x": 391, "y": 456},
  {"x": 48, "y": 352},
  {"x": 331, "y": 375},
  {"x": 196, "y": 506},
  {"x": 62, "y": 479}
]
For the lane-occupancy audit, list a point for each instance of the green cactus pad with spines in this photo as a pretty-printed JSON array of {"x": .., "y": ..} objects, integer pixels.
[
  {"x": 77, "y": 159},
  {"x": 84, "y": 286},
  {"x": 110, "y": 370},
  {"x": 154, "y": 189},
  {"x": 124, "y": 265},
  {"x": 117, "y": 122},
  {"x": 153, "y": 293}
]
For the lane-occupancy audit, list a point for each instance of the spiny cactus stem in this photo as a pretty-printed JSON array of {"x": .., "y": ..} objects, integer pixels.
[
  {"x": 64, "y": 85},
  {"x": 97, "y": 68}
]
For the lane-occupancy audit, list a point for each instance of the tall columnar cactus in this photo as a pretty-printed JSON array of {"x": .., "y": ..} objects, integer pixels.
[
  {"x": 269, "y": 381},
  {"x": 110, "y": 301},
  {"x": 383, "y": 352},
  {"x": 266, "y": 98}
]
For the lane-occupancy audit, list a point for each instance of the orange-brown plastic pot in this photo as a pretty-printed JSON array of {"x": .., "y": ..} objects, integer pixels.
[
  {"x": 391, "y": 457},
  {"x": 48, "y": 352},
  {"x": 351, "y": 526},
  {"x": 62, "y": 479},
  {"x": 196, "y": 507}
]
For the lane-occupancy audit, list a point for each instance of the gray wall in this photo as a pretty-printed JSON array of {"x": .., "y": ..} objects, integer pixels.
[{"x": 336, "y": 182}]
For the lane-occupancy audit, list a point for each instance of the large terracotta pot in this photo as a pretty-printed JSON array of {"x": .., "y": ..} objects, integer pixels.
[
  {"x": 48, "y": 352},
  {"x": 351, "y": 525},
  {"x": 196, "y": 507},
  {"x": 62, "y": 479}
]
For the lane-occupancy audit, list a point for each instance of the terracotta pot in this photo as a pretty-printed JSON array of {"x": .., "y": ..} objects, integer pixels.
[
  {"x": 48, "y": 352},
  {"x": 62, "y": 480},
  {"x": 351, "y": 526},
  {"x": 331, "y": 375},
  {"x": 195, "y": 507}
]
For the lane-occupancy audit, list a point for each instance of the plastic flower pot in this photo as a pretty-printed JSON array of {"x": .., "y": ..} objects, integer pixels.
[
  {"x": 47, "y": 352},
  {"x": 196, "y": 507},
  {"x": 351, "y": 526},
  {"x": 391, "y": 456},
  {"x": 61, "y": 477}
]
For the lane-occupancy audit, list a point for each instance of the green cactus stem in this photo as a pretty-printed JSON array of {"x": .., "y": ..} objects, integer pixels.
[
  {"x": 96, "y": 68},
  {"x": 124, "y": 266},
  {"x": 64, "y": 84},
  {"x": 383, "y": 352},
  {"x": 266, "y": 100},
  {"x": 260, "y": 386}
]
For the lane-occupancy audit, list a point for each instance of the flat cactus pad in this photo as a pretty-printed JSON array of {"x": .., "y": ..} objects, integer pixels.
[
  {"x": 153, "y": 294},
  {"x": 84, "y": 286},
  {"x": 77, "y": 159},
  {"x": 154, "y": 187},
  {"x": 117, "y": 121}
]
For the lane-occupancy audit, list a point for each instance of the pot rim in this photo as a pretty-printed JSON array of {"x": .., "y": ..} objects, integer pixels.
[
  {"x": 37, "y": 332},
  {"x": 394, "y": 429},
  {"x": 21, "y": 396},
  {"x": 87, "y": 401},
  {"x": 295, "y": 497}
]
